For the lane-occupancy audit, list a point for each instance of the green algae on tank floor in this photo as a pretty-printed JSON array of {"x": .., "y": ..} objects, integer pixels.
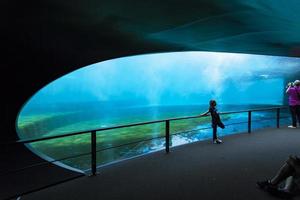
[
  {"x": 37, "y": 125},
  {"x": 81, "y": 144}
]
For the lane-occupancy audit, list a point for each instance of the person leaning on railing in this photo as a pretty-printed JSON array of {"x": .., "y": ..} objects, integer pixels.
[
  {"x": 293, "y": 90},
  {"x": 215, "y": 120}
]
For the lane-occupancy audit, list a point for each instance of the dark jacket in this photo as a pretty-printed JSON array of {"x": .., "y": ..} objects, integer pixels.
[{"x": 215, "y": 117}]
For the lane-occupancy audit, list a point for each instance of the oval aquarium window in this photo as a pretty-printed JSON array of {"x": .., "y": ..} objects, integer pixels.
[{"x": 145, "y": 88}]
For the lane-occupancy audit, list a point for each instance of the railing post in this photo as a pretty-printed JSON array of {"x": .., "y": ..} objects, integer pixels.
[
  {"x": 249, "y": 121},
  {"x": 167, "y": 136},
  {"x": 93, "y": 155},
  {"x": 278, "y": 118}
]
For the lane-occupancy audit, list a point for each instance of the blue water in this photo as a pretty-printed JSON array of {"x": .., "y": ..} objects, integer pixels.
[
  {"x": 237, "y": 123},
  {"x": 98, "y": 117},
  {"x": 78, "y": 117},
  {"x": 153, "y": 87}
]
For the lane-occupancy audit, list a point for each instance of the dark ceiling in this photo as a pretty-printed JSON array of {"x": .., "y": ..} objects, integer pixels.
[{"x": 42, "y": 40}]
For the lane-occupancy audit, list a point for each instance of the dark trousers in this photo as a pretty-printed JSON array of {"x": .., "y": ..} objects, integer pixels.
[
  {"x": 295, "y": 111},
  {"x": 214, "y": 131}
]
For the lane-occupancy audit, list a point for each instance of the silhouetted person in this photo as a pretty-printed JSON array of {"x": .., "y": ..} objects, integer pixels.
[
  {"x": 215, "y": 120},
  {"x": 293, "y": 90},
  {"x": 289, "y": 174}
]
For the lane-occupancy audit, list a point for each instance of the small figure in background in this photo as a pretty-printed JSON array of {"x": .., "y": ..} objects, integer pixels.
[
  {"x": 215, "y": 120},
  {"x": 293, "y": 91}
]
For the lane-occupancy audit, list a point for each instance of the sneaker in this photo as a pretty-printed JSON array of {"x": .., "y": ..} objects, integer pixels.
[
  {"x": 267, "y": 186},
  {"x": 291, "y": 126},
  {"x": 217, "y": 141},
  {"x": 264, "y": 184}
]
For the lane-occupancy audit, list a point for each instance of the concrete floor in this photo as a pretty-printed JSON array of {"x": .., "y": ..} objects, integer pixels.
[{"x": 200, "y": 170}]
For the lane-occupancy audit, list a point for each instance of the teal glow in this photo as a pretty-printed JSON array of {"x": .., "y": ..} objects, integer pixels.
[
  {"x": 173, "y": 79},
  {"x": 149, "y": 87}
]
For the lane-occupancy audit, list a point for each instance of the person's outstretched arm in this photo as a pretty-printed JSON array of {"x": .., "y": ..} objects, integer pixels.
[
  {"x": 204, "y": 114},
  {"x": 288, "y": 88}
]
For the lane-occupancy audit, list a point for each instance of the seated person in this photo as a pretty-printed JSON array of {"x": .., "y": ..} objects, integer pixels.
[{"x": 289, "y": 175}]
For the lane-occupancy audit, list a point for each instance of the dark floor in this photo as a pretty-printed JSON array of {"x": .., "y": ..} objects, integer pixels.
[
  {"x": 18, "y": 158},
  {"x": 199, "y": 170}
]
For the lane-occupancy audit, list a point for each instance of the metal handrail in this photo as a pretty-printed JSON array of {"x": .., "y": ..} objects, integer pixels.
[
  {"x": 137, "y": 124},
  {"x": 129, "y": 143},
  {"x": 87, "y": 131},
  {"x": 167, "y": 135}
]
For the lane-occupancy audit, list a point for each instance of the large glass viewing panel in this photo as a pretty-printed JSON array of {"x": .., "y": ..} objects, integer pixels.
[{"x": 150, "y": 87}]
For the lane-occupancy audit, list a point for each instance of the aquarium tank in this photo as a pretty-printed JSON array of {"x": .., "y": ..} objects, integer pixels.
[{"x": 151, "y": 87}]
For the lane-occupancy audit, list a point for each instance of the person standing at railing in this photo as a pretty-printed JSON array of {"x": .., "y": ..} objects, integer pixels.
[
  {"x": 293, "y": 91},
  {"x": 215, "y": 120}
]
